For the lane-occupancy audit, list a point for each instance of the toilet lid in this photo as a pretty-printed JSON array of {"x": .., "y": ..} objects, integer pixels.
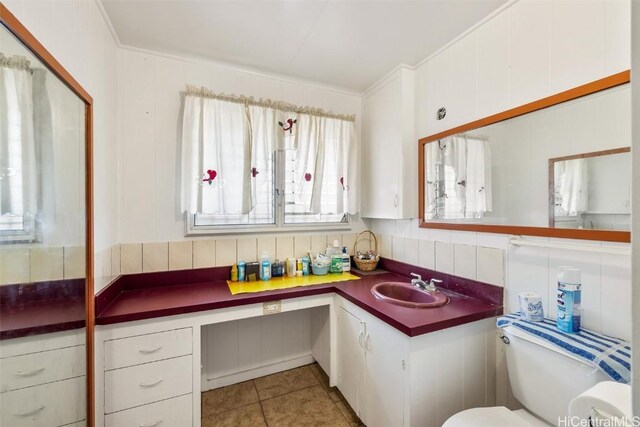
[{"x": 496, "y": 416}]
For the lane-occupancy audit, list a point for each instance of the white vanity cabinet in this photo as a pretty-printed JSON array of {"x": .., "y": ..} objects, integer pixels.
[
  {"x": 389, "y": 149},
  {"x": 43, "y": 380},
  {"x": 371, "y": 366}
]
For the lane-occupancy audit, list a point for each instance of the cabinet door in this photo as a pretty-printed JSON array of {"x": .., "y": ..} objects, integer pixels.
[
  {"x": 493, "y": 66},
  {"x": 529, "y": 52},
  {"x": 617, "y": 33},
  {"x": 437, "y": 92},
  {"x": 462, "y": 99},
  {"x": 384, "y": 378},
  {"x": 351, "y": 331},
  {"x": 382, "y": 148},
  {"x": 577, "y": 43}
]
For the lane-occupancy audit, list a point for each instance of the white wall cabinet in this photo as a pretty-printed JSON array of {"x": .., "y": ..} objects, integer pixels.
[
  {"x": 531, "y": 50},
  {"x": 370, "y": 369},
  {"x": 389, "y": 150}
]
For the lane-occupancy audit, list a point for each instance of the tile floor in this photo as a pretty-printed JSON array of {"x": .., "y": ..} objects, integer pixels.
[{"x": 298, "y": 397}]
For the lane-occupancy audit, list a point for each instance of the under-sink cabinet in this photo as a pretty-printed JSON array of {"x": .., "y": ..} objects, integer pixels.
[
  {"x": 391, "y": 379},
  {"x": 371, "y": 364}
]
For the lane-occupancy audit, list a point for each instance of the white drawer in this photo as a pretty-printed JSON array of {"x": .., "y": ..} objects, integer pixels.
[
  {"x": 40, "y": 368},
  {"x": 176, "y": 412},
  {"x": 147, "y": 348},
  {"x": 151, "y": 382},
  {"x": 53, "y": 404}
]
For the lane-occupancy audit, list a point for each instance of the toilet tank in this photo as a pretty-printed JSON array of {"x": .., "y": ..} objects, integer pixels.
[{"x": 543, "y": 377}]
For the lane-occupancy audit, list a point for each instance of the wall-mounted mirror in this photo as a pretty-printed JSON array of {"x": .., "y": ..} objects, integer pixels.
[
  {"x": 566, "y": 166},
  {"x": 45, "y": 249},
  {"x": 591, "y": 190}
]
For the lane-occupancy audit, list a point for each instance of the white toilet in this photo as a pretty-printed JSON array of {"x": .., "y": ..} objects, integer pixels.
[{"x": 543, "y": 378}]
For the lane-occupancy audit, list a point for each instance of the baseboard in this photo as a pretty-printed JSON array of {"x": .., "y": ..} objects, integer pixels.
[{"x": 210, "y": 384}]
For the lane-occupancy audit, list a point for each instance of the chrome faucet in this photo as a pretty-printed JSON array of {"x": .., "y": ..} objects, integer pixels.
[{"x": 424, "y": 286}]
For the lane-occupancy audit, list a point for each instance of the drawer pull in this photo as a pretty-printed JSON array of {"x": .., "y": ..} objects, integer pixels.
[
  {"x": 29, "y": 373},
  {"x": 153, "y": 424},
  {"x": 29, "y": 413},
  {"x": 150, "y": 350},
  {"x": 149, "y": 385}
]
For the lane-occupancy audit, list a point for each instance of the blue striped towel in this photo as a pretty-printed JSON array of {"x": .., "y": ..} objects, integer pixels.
[{"x": 609, "y": 354}]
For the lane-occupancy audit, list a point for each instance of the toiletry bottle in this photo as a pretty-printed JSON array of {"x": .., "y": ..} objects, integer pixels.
[
  {"x": 277, "y": 269},
  {"x": 265, "y": 270},
  {"x": 234, "y": 273},
  {"x": 242, "y": 271},
  {"x": 569, "y": 299},
  {"x": 305, "y": 266},
  {"x": 336, "y": 263},
  {"x": 346, "y": 260}
]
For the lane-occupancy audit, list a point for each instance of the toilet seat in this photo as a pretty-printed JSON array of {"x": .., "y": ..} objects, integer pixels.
[{"x": 496, "y": 416}]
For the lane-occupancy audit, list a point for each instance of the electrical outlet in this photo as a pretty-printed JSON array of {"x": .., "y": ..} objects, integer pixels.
[{"x": 271, "y": 307}]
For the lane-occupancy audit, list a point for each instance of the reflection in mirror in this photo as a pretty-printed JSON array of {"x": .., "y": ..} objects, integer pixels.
[
  {"x": 592, "y": 190},
  {"x": 499, "y": 174},
  {"x": 42, "y": 243}
]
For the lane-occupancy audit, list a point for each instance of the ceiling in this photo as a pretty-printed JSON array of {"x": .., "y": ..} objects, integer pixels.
[{"x": 344, "y": 43}]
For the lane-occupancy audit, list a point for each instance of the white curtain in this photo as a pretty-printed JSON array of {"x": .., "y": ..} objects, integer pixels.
[
  {"x": 327, "y": 165},
  {"x": 461, "y": 167},
  {"x": 573, "y": 186},
  {"x": 433, "y": 157},
  {"x": 18, "y": 171},
  {"x": 227, "y": 149},
  {"x": 216, "y": 153},
  {"x": 478, "y": 178}
]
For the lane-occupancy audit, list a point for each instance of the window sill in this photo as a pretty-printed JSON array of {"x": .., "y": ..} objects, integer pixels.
[{"x": 192, "y": 230}]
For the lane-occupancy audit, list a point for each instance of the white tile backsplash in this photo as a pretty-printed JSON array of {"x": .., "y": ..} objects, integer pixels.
[
  {"x": 490, "y": 265},
  {"x": 463, "y": 238},
  {"x": 74, "y": 262},
  {"x": 131, "y": 258},
  {"x": 444, "y": 257},
  {"x": 397, "y": 250},
  {"x": 14, "y": 265},
  {"x": 46, "y": 264},
  {"x": 412, "y": 251},
  {"x": 204, "y": 253},
  {"x": 155, "y": 257},
  {"x": 427, "y": 254},
  {"x": 181, "y": 255},
  {"x": 464, "y": 260}
]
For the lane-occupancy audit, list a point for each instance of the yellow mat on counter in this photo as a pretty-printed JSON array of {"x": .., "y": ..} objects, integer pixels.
[{"x": 287, "y": 282}]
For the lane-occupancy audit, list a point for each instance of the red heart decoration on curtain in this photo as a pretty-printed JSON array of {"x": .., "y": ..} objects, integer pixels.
[
  {"x": 254, "y": 172},
  {"x": 342, "y": 181},
  {"x": 307, "y": 177},
  {"x": 211, "y": 176}
]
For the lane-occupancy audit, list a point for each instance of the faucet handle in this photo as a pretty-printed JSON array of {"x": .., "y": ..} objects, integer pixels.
[
  {"x": 417, "y": 276},
  {"x": 435, "y": 281}
]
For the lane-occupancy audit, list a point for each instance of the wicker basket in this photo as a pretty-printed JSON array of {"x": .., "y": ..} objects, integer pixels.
[{"x": 366, "y": 264}]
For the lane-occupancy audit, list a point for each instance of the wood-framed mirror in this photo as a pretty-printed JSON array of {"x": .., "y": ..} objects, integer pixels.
[
  {"x": 46, "y": 236},
  {"x": 498, "y": 174}
]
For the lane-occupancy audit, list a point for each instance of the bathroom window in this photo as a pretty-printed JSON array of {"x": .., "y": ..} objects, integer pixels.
[{"x": 264, "y": 166}]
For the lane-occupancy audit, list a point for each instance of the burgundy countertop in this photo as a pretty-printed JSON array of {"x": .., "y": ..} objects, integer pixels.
[
  {"x": 42, "y": 307},
  {"x": 146, "y": 296}
]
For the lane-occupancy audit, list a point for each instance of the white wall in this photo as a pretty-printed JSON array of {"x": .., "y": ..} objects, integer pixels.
[
  {"x": 78, "y": 37},
  {"x": 149, "y": 105}
]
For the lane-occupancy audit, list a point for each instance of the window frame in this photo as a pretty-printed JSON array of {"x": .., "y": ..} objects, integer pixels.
[{"x": 279, "y": 226}]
